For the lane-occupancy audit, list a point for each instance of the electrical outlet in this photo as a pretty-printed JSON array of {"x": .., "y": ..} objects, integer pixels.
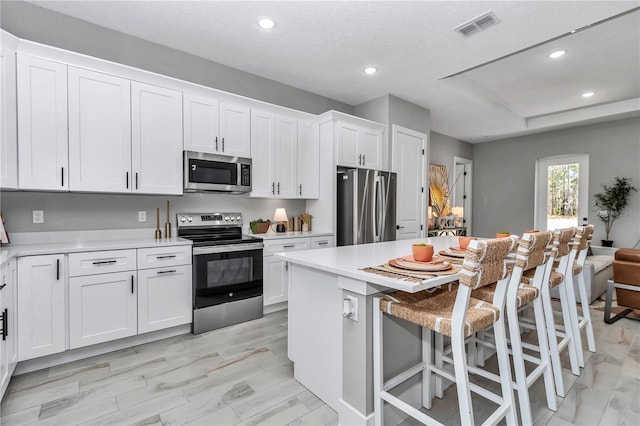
[
  {"x": 350, "y": 308},
  {"x": 38, "y": 216},
  {"x": 142, "y": 216}
]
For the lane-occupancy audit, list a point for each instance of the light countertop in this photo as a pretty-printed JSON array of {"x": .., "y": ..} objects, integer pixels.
[
  {"x": 279, "y": 235},
  {"x": 348, "y": 260},
  {"x": 82, "y": 245}
]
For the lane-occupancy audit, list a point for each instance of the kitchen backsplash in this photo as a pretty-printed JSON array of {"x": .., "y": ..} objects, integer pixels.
[{"x": 77, "y": 212}]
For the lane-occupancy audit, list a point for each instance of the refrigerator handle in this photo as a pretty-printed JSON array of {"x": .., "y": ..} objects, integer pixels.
[
  {"x": 383, "y": 207},
  {"x": 374, "y": 210}
]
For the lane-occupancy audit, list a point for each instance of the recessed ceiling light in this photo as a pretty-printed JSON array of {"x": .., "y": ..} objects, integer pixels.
[
  {"x": 370, "y": 70},
  {"x": 557, "y": 54},
  {"x": 588, "y": 94},
  {"x": 266, "y": 23}
]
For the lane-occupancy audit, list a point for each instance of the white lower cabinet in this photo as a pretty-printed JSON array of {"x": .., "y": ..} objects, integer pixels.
[
  {"x": 101, "y": 308},
  {"x": 164, "y": 297},
  {"x": 42, "y": 307},
  {"x": 275, "y": 271},
  {"x": 9, "y": 340}
]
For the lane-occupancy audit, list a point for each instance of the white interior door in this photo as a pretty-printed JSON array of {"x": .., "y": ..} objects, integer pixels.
[
  {"x": 562, "y": 191},
  {"x": 409, "y": 162},
  {"x": 461, "y": 192}
]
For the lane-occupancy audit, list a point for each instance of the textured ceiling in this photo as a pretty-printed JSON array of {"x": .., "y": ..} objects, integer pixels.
[{"x": 323, "y": 46}]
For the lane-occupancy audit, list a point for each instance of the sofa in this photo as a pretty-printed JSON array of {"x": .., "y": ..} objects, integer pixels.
[{"x": 598, "y": 269}]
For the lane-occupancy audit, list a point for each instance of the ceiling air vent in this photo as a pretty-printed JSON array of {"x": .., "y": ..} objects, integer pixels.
[{"x": 477, "y": 24}]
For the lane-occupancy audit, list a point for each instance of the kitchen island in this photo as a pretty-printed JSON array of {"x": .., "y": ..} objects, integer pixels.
[{"x": 332, "y": 354}]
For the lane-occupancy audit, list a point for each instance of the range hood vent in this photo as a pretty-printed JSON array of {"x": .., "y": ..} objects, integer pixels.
[{"x": 477, "y": 24}]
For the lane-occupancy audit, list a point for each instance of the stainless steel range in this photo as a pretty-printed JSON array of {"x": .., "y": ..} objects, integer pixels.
[{"x": 227, "y": 270}]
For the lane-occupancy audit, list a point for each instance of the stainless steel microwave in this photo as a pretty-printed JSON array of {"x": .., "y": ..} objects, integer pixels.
[{"x": 219, "y": 173}]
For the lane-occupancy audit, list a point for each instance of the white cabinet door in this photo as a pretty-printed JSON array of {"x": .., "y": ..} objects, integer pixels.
[
  {"x": 308, "y": 161},
  {"x": 275, "y": 280},
  {"x": 286, "y": 157},
  {"x": 41, "y": 306},
  {"x": 42, "y": 124},
  {"x": 235, "y": 130},
  {"x": 8, "y": 332},
  {"x": 201, "y": 124},
  {"x": 156, "y": 139},
  {"x": 101, "y": 308},
  {"x": 370, "y": 146},
  {"x": 347, "y": 145},
  {"x": 8, "y": 128},
  {"x": 99, "y": 132},
  {"x": 164, "y": 297},
  {"x": 263, "y": 136}
]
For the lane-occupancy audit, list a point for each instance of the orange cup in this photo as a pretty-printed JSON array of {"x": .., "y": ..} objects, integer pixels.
[
  {"x": 530, "y": 231},
  {"x": 464, "y": 241},
  {"x": 422, "y": 253},
  {"x": 502, "y": 235}
]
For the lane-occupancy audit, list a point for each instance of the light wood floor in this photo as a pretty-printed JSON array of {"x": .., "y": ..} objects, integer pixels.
[{"x": 241, "y": 375}]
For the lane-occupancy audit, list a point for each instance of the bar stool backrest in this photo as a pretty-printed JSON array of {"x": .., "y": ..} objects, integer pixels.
[
  {"x": 531, "y": 250},
  {"x": 484, "y": 262},
  {"x": 561, "y": 240},
  {"x": 582, "y": 237}
]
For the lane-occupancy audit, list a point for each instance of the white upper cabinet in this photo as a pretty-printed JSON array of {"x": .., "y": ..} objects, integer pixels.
[
  {"x": 235, "y": 130},
  {"x": 286, "y": 157},
  {"x": 285, "y": 154},
  {"x": 263, "y": 135},
  {"x": 42, "y": 124},
  {"x": 201, "y": 124},
  {"x": 8, "y": 129},
  {"x": 156, "y": 121},
  {"x": 359, "y": 146},
  {"x": 308, "y": 160},
  {"x": 216, "y": 127},
  {"x": 99, "y": 132}
]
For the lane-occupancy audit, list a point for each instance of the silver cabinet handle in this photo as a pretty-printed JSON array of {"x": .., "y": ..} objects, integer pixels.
[
  {"x": 323, "y": 243},
  {"x": 273, "y": 188},
  {"x": 170, "y": 271},
  {"x": 105, "y": 262},
  {"x": 136, "y": 180},
  {"x": 289, "y": 246},
  {"x": 300, "y": 189},
  {"x": 131, "y": 284},
  {"x": 127, "y": 180},
  {"x": 222, "y": 144},
  {"x": 360, "y": 160},
  {"x": 62, "y": 175},
  {"x": 364, "y": 162},
  {"x": 170, "y": 256},
  {"x": 278, "y": 188},
  {"x": 216, "y": 143}
]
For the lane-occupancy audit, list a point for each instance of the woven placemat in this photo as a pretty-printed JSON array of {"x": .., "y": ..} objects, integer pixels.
[{"x": 389, "y": 271}]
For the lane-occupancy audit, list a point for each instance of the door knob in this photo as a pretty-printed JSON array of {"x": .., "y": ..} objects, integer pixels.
[{"x": 399, "y": 227}]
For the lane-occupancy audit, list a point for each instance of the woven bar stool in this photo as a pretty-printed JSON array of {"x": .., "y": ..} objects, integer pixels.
[
  {"x": 581, "y": 244},
  {"x": 456, "y": 314},
  {"x": 559, "y": 255},
  {"x": 530, "y": 256}
]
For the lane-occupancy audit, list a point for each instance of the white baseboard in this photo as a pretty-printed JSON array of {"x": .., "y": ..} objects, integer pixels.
[{"x": 349, "y": 416}]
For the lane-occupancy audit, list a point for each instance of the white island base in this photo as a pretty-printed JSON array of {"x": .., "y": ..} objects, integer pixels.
[{"x": 332, "y": 354}]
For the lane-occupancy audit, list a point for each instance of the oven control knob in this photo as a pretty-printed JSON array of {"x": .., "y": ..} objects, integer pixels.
[
  {"x": 230, "y": 294},
  {"x": 226, "y": 218},
  {"x": 190, "y": 219},
  {"x": 183, "y": 219},
  {"x": 239, "y": 218}
]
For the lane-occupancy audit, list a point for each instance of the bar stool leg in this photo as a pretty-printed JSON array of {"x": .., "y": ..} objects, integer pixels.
[
  {"x": 462, "y": 378},
  {"x": 427, "y": 359},
  {"x": 573, "y": 315},
  {"x": 439, "y": 348},
  {"x": 553, "y": 341},
  {"x": 591, "y": 341},
  {"x": 504, "y": 367},
  {"x": 518, "y": 365},
  {"x": 378, "y": 375},
  {"x": 552, "y": 402},
  {"x": 566, "y": 317}
]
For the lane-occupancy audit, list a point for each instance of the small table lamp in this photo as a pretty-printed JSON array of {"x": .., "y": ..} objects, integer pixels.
[
  {"x": 459, "y": 213},
  {"x": 280, "y": 216}
]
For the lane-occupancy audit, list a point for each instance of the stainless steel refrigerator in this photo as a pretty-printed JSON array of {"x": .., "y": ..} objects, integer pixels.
[{"x": 366, "y": 206}]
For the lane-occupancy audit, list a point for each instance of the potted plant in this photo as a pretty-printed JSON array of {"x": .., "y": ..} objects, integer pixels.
[
  {"x": 503, "y": 234},
  {"x": 611, "y": 203}
]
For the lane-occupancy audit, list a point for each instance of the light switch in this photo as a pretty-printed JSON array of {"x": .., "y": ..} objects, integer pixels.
[
  {"x": 38, "y": 216},
  {"x": 142, "y": 216}
]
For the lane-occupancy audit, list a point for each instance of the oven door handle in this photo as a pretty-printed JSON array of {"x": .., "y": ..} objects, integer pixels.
[{"x": 227, "y": 248}]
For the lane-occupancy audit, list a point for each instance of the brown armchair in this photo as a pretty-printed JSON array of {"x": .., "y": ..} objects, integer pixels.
[{"x": 626, "y": 281}]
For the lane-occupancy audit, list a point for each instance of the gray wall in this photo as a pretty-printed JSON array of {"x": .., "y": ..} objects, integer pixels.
[
  {"x": 444, "y": 148},
  {"x": 504, "y": 176},
  {"x": 34, "y": 23}
]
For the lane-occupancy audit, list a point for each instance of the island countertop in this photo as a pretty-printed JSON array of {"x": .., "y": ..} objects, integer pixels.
[{"x": 348, "y": 261}]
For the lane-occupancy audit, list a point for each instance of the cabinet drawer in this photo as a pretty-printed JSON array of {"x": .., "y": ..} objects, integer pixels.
[
  {"x": 101, "y": 262},
  {"x": 322, "y": 242},
  {"x": 284, "y": 245},
  {"x": 158, "y": 257}
]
